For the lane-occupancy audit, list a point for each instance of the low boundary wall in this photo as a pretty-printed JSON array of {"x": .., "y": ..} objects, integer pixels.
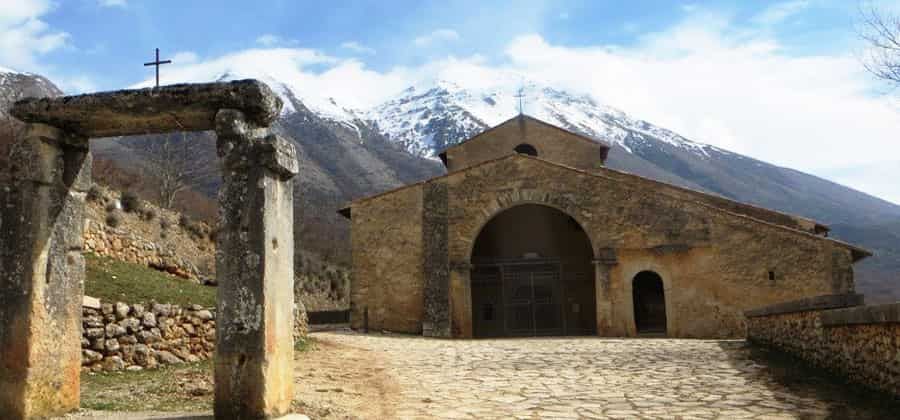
[{"x": 837, "y": 333}]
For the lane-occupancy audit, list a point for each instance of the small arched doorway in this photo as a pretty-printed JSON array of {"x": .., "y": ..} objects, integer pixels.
[
  {"x": 649, "y": 301},
  {"x": 532, "y": 275}
]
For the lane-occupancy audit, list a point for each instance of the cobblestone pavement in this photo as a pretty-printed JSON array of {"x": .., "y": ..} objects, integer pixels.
[{"x": 601, "y": 378}]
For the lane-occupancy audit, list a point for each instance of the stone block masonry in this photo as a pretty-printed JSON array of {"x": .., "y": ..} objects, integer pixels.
[
  {"x": 41, "y": 242},
  {"x": 255, "y": 264},
  {"x": 860, "y": 343},
  {"x": 118, "y": 336},
  {"x": 42, "y": 274}
]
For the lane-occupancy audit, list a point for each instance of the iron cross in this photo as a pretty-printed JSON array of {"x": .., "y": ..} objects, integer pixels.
[
  {"x": 521, "y": 97},
  {"x": 157, "y": 63}
]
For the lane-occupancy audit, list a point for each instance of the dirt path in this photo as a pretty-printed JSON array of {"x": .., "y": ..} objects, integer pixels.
[{"x": 339, "y": 381}]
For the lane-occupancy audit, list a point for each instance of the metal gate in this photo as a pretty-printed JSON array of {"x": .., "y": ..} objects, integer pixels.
[{"x": 531, "y": 296}]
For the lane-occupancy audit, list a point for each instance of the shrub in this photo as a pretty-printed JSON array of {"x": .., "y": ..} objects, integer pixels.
[
  {"x": 111, "y": 206},
  {"x": 148, "y": 214},
  {"x": 113, "y": 219},
  {"x": 131, "y": 203},
  {"x": 184, "y": 221},
  {"x": 164, "y": 224},
  {"x": 94, "y": 193}
]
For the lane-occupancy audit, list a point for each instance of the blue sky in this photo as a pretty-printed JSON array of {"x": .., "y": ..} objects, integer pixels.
[
  {"x": 107, "y": 40},
  {"x": 777, "y": 80}
]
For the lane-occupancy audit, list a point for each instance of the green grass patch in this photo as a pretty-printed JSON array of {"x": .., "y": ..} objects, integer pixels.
[
  {"x": 184, "y": 387},
  {"x": 112, "y": 280}
]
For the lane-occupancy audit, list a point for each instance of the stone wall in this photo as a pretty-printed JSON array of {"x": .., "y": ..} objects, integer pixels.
[
  {"x": 714, "y": 263},
  {"x": 860, "y": 343},
  {"x": 552, "y": 143},
  {"x": 118, "y": 336},
  {"x": 386, "y": 289},
  {"x": 161, "y": 241},
  {"x": 124, "y": 245}
]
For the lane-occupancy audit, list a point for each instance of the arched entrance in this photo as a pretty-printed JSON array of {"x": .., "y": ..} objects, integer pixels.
[
  {"x": 649, "y": 303},
  {"x": 532, "y": 275}
]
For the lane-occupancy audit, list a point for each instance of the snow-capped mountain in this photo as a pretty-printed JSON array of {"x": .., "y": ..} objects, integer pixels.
[
  {"x": 348, "y": 153},
  {"x": 427, "y": 120}
]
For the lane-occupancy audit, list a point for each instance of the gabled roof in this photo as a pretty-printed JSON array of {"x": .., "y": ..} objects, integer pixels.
[
  {"x": 528, "y": 120},
  {"x": 858, "y": 253}
]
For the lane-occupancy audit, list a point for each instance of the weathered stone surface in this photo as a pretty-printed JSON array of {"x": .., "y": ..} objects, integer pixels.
[
  {"x": 254, "y": 263},
  {"x": 279, "y": 155},
  {"x": 714, "y": 263},
  {"x": 436, "y": 265},
  {"x": 809, "y": 304},
  {"x": 874, "y": 314},
  {"x": 122, "y": 310},
  {"x": 861, "y": 343},
  {"x": 570, "y": 149},
  {"x": 149, "y": 319},
  {"x": 41, "y": 276},
  {"x": 185, "y": 107}
]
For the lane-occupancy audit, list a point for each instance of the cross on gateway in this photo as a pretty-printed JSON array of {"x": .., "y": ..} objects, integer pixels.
[{"x": 157, "y": 63}]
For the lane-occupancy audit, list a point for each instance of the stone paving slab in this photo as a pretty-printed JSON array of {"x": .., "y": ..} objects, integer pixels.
[{"x": 565, "y": 378}]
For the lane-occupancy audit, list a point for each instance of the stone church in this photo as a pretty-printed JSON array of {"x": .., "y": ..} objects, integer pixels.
[{"x": 529, "y": 234}]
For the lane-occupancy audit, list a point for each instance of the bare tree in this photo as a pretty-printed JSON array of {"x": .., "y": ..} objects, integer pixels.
[
  {"x": 175, "y": 163},
  {"x": 881, "y": 30}
]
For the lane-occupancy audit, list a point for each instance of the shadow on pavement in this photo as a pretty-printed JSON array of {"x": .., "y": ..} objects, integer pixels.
[{"x": 791, "y": 378}]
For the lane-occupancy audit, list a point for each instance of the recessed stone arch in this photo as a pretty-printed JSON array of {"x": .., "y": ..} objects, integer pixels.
[
  {"x": 506, "y": 200},
  {"x": 532, "y": 274}
]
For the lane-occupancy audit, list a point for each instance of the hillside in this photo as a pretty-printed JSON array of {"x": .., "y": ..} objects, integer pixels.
[
  {"x": 424, "y": 120},
  {"x": 347, "y": 154}
]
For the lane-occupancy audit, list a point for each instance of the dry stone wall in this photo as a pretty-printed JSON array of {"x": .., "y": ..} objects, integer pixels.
[
  {"x": 860, "y": 343},
  {"x": 159, "y": 241},
  {"x": 119, "y": 336}
]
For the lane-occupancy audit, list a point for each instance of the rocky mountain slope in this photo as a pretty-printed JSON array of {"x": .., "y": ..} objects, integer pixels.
[
  {"x": 347, "y": 154},
  {"x": 426, "y": 120}
]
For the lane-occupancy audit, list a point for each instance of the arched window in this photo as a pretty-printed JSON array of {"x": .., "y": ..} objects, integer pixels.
[{"x": 526, "y": 149}]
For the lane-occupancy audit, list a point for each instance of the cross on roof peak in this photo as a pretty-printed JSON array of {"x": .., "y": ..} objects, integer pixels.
[
  {"x": 521, "y": 96},
  {"x": 157, "y": 63}
]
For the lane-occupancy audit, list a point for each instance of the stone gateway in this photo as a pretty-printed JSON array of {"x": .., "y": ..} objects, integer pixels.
[
  {"x": 41, "y": 243},
  {"x": 529, "y": 234}
]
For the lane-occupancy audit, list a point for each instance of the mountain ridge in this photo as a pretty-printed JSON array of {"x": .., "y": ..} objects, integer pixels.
[{"x": 351, "y": 153}]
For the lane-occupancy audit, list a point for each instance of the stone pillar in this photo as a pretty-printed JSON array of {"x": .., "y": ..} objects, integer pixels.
[
  {"x": 436, "y": 260},
  {"x": 42, "y": 274},
  {"x": 254, "y": 369},
  {"x": 602, "y": 267},
  {"x": 461, "y": 300}
]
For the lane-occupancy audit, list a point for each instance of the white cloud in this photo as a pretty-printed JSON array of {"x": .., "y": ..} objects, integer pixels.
[
  {"x": 24, "y": 36},
  {"x": 112, "y": 3},
  {"x": 76, "y": 84},
  {"x": 780, "y": 12},
  {"x": 357, "y": 48},
  {"x": 271, "y": 40},
  {"x": 439, "y": 35},
  {"x": 705, "y": 78},
  {"x": 184, "y": 57}
]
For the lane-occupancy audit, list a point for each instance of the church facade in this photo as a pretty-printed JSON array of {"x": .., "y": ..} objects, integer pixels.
[{"x": 529, "y": 234}]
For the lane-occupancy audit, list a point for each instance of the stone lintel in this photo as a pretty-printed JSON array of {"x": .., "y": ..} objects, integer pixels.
[
  {"x": 815, "y": 303},
  {"x": 183, "y": 107},
  {"x": 861, "y": 315}
]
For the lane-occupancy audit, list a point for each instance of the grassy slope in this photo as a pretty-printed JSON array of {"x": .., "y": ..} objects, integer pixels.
[
  {"x": 184, "y": 387},
  {"x": 112, "y": 280}
]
